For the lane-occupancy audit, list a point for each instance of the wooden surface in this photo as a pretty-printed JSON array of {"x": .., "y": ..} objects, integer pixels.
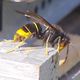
[{"x": 27, "y": 63}]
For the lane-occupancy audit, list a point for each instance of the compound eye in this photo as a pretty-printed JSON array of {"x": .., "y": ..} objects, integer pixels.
[{"x": 18, "y": 38}]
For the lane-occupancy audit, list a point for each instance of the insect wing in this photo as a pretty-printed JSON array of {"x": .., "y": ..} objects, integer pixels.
[{"x": 36, "y": 18}]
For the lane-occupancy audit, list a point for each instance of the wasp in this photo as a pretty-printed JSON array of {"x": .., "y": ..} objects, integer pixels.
[{"x": 52, "y": 33}]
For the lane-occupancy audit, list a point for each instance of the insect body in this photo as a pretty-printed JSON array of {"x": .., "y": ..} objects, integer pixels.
[{"x": 53, "y": 33}]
